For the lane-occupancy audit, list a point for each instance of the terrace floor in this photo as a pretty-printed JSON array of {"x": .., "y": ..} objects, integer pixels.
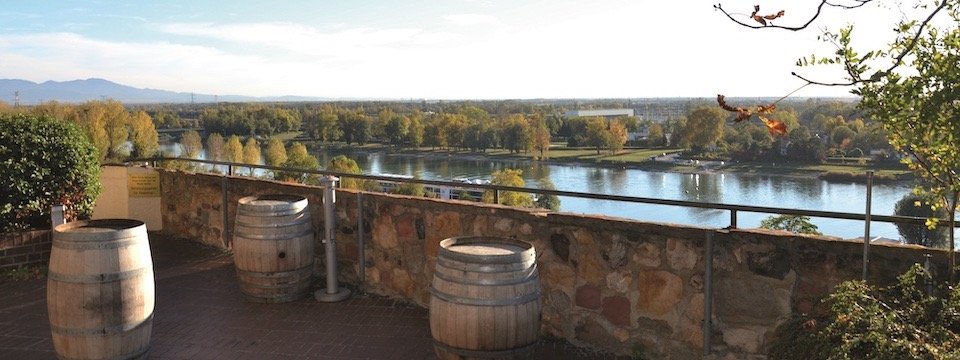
[{"x": 200, "y": 314}]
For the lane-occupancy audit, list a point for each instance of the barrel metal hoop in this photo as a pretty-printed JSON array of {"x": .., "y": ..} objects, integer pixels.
[
  {"x": 276, "y": 274},
  {"x": 300, "y": 221},
  {"x": 526, "y": 276},
  {"x": 494, "y": 268},
  {"x": 267, "y": 213},
  {"x": 523, "y": 299},
  {"x": 491, "y": 354},
  {"x": 272, "y": 237},
  {"x": 138, "y": 355},
  {"x": 103, "y": 332},
  {"x": 97, "y": 245},
  {"x": 99, "y": 278}
]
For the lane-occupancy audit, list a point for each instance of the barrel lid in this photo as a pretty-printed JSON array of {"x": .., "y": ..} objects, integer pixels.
[
  {"x": 486, "y": 249},
  {"x": 273, "y": 202},
  {"x": 112, "y": 228}
]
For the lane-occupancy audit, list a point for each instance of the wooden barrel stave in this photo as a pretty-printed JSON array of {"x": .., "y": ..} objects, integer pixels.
[
  {"x": 273, "y": 247},
  {"x": 485, "y": 306},
  {"x": 100, "y": 290}
]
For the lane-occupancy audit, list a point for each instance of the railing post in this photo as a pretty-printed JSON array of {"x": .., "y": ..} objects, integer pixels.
[
  {"x": 362, "y": 258},
  {"x": 733, "y": 218},
  {"x": 866, "y": 225},
  {"x": 333, "y": 291},
  {"x": 496, "y": 196},
  {"x": 227, "y": 232},
  {"x": 230, "y": 169},
  {"x": 708, "y": 292}
]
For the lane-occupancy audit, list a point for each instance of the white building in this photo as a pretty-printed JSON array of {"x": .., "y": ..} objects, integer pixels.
[{"x": 607, "y": 113}]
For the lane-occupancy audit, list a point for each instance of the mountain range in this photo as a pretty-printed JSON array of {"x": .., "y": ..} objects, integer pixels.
[{"x": 75, "y": 91}]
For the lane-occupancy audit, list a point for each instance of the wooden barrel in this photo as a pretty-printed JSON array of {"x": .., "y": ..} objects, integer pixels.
[
  {"x": 485, "y": 299},
  {"x": 100, "y": 290},
  {"x": 273, "y": 247}
]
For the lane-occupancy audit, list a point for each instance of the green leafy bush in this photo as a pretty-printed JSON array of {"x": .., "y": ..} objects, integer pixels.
[
  {"x": 908, "y": 320},
  {"x": 44, "y": 162}
]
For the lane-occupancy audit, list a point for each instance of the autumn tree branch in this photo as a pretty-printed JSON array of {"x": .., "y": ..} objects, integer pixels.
[{"x": 820, "y": 7}]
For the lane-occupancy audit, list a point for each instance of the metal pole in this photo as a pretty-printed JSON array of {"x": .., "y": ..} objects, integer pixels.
[
  {"x": 496, "y": 196},
  {"x": 360, "y": 250},
  {"x": 733, "y": 219},
  {"x": 333, "y": 291},
  {"x": 225, "y": 207},
  {"x": 707, "y": 292},
  {"x": 866, "y": 225},
  {"x": 57, "y": 216}
]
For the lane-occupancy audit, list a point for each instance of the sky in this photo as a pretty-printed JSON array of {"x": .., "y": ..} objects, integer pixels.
[{"x": 414, "y": 49}]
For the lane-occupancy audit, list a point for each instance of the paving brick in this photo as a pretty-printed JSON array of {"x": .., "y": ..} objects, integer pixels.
[{"x": 200, "y": 314}]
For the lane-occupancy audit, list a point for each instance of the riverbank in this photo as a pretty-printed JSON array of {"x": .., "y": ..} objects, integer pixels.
[{"x": 657, "y": 159}]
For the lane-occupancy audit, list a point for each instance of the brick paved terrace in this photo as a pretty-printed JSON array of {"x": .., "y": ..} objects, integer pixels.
[{"x": 200, "y": 314}]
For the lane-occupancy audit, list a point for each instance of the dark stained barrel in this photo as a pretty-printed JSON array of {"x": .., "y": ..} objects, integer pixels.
[
  {"x": 100, "y": 290},
  {"x": 273, "y": 247},
  {"x": 485, "y": 299}
]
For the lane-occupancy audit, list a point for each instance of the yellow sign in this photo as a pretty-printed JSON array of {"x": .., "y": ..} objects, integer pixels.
[{"x": 143, "y": 184}]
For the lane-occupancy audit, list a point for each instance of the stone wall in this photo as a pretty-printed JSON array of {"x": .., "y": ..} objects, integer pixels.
[
  {"x": 24, "y": 248},
  {"x": 621, "y": 285}
]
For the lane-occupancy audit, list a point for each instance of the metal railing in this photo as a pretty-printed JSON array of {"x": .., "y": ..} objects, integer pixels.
[{"x": 732, "y": 208}]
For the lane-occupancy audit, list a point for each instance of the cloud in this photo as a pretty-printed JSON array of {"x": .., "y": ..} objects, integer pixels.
[
  {"x": 341, "y": 44},
  {"x": 470, "y": 19}
]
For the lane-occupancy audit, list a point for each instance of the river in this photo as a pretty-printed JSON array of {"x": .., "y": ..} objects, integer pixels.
[{"x": 715, "y": 187}]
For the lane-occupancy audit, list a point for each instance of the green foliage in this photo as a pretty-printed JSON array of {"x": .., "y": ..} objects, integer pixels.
[
  {"x": 861, "y": 321},
  {"x": 551, "y": 202},
  {"x": 411, "y": 189},
  {"x": 343, "y": 164},
  {"x": 509, "y": 177},
  {"x": 792, "y": 223},
  {"x": 143, "y": 135},
  {"x": 276, "y": 153},
  {"x": 915, "y": 205},
  {"x": 298, "y": 158},
  {"x": 44, "y": 162},
  {"x": 215, "y": 147},
  {"x": 704, "y": 126},
  {"x": 233, "y": 150},
  {"x": 191, "y": 145}
]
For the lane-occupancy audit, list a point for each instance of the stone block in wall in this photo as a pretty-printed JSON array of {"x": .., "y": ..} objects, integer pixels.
[
  {"x": 753, "y": 299},
  {"x": 659, "y": 293},
  {"x": 681, "y": 254},
  {"x": 616, "y": 309},
  {"x": 439, "y": 227},
  {"x": 647, "y": 255},
  {"x": 588, "y": 297},
  {"x": 384, "y": 233}
]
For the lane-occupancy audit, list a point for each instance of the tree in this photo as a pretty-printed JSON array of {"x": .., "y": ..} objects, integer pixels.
[
  {"x": 792, "y": 223},
  {"x": 597, "y": 135},
  {"x": 396, "y": 128},
  {"x": 44, "y": 161},
  {"x": 251, "y": 153},
  {"x": 909, "y": 87},
  {"x": 915, "y": 205},
  {"x": 233, "y": 150},
  {"x": 544, "y": 201},
  {"x": 145, "y": 139},
  {"x": 509, "y": 177},
  {"x": 618, "y": 136},
  {"x": 116, "y": 121},
  {"x": 276, "y": 153},
  {"x": 415, "y": 132},
  {"x": 215, "y": 147},
  {"x": 343, "y": 164},
  {"x": 517, "y": 134},
  {"x": 298, "y": 158},
  {"x": 191, "y": 144},
  {"x": 541, "y": 138},
  {"x": 656, "y": 137},
  {"x": 704, "y": 126}
]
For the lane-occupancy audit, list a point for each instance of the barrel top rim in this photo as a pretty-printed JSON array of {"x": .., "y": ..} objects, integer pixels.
[
  {"x": 98, "y": 226},
  {"x": 520, "y": 247},
  {"x": 282, "y": 199}
]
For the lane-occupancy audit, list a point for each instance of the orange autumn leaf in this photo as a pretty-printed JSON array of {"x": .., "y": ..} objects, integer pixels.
[
  {"x": 776, "y": 128},
  {"x": 762, "y": 19}
]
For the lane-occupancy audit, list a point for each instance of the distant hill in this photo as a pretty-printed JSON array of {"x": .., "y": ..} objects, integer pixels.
[{"x": 75, "y": 91}]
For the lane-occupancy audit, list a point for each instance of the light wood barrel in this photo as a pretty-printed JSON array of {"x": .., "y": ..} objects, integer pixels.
[
  {"x": 273, "y": 247},
  {"x": 485, "y": 299},
  {"x": 100, "y": 290}
]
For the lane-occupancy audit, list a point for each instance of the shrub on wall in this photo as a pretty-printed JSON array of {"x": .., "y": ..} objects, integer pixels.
[
  {"x": 43, "y": 162},
  {"x": 910, "y": 320}
]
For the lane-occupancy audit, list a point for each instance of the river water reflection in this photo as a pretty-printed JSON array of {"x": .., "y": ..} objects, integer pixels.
[{"x": 717, "y": 187}]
